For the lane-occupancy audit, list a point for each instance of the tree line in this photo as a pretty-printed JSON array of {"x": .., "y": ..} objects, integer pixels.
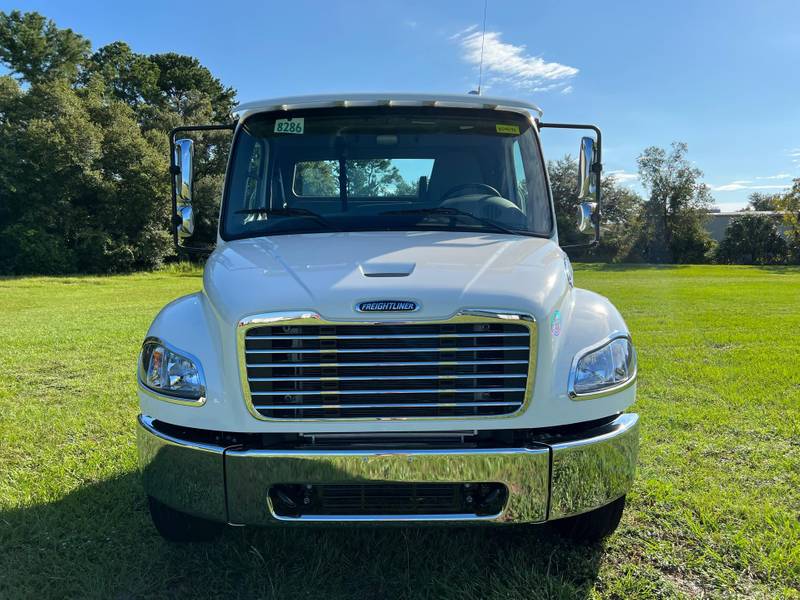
[
  {"x": 84, "y": 156},
  {"x": 668, "y": 223}
]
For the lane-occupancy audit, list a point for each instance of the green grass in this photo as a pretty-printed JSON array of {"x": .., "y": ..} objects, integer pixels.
[{"x": 714, "y": 511}]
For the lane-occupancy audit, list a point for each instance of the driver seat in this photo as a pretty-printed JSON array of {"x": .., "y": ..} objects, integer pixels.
[{"x": 450, "y": 170}]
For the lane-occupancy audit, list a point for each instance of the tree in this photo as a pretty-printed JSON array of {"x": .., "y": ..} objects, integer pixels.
[
  {"x": 752, "y": 239},
  {"x": 365, "y": 178},
  {"x": 37, "y": 50},
  {"x": 622, "y": 208},
  {"x": 760, "y": 201},
  {"x": 130, "y": 77},
  {"x": 789, "y": 205},
  {"x": 84, "y": 182},
  {"x": 677, "y": 208},
  {"x": 86, "y": 190},
  {"x": 374, "y": 177}
]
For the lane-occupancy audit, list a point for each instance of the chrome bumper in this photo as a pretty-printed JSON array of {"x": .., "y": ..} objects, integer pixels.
[{"x": 544, "y": 481}]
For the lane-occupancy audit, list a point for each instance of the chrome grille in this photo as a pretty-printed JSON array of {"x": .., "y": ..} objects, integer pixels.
[{"x": 330, "y": 371}]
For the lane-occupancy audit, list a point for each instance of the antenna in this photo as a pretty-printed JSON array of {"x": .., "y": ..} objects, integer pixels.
[{"x": 483, "y": 40}]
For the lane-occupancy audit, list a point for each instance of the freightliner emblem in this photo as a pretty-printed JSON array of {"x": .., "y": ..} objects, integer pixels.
[{"x": 387, "y": 306}]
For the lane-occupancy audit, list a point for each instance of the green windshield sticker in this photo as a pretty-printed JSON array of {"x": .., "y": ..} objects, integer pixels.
[
  {"x": 289, "y": 125},
  {"x": 514, "y": 129}
]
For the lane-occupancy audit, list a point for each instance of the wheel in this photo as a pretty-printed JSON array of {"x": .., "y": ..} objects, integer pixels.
[
  {"x": 175, "y": 526},
  {"x": 593, "y": 526}
]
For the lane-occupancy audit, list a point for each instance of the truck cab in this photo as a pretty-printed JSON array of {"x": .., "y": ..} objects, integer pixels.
[{"x": 388, "y": 330}]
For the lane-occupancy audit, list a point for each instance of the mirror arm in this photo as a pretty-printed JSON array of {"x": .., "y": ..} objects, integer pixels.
[
  {"x": 175, "y": 170},
  {"x": 597, "y": 168}
]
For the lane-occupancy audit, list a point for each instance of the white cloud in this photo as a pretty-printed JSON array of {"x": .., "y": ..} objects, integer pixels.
[
  {"x": 735, "y": 186},
  {"x": 623, "y": 177},
  {"x": 463, "y": 32},
  {"x": 410, "y": 23},
  {"x": 567, "y": 90},
  {"x": 778, "y": 176},
  {"x": 510, "y": 64}
]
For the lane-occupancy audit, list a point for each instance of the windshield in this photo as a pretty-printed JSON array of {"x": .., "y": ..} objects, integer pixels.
[{"x": 382, "y": 169}]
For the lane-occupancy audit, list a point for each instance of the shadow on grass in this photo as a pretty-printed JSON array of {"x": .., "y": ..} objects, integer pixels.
[
  {"x": 779, "y": 269},
  {"x": 98, "y": 542}
]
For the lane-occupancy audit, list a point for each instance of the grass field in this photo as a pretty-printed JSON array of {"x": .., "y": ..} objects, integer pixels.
[{"x": 714, "y": 511}]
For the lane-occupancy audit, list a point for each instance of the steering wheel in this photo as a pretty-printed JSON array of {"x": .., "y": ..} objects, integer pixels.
[{"x": 465, "y": 186}]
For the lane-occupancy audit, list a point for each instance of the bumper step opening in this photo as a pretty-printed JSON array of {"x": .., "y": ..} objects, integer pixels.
[{"x": 387, "y": 500}]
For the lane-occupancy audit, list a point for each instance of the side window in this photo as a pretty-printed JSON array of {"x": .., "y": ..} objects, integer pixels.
[
  {"x": 520, "y": 190},
  {"x": 255, "y": 177}
]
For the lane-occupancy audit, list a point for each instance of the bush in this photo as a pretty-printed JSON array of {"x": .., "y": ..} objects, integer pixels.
[
  {"x": 752, "y": 240},
  {"x": 27, "y": 249}
]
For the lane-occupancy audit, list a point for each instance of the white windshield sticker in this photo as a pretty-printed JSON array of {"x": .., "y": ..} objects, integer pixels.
[{"x": 289, "y": 125}]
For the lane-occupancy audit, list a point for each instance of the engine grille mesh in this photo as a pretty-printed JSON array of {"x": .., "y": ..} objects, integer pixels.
[{"x": 405, "y": 370}]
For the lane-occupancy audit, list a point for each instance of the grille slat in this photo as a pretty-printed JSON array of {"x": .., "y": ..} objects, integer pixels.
[
  {"x": 381, "y": 405},
  {"x": 394, "y": 391},
  {"x": 389, "y": 364},
  {"x": 366, "y": 370},
  {"x": 434, "y": 336},
  {"x": 372, "y": 350},
  {"x": 394, "y": 378}
]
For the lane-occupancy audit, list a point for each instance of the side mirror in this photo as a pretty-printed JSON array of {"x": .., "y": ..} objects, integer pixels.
[
  {"x": 585, "y": 217},
  {"x": 184, "y": 219},
  {"x": 587, "y": 189}
]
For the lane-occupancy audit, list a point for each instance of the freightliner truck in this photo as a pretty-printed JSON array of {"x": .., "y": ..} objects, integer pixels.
[{"x": 388, "y": 330}]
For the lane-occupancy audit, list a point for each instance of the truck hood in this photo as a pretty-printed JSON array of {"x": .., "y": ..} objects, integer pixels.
[{"x": 330, "y": 273}]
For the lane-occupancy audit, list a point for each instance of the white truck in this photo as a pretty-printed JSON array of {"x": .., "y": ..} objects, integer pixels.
[{"x": 388, "y": 330}]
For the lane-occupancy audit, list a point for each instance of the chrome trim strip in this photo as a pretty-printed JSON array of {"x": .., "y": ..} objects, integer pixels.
[
  {"x": 160, "y": 394},
  {"x": 395, "y": 377},
  {"x": 614, "y": 335},
  {"x": 384, "y": 350},
  {"x": 377, "y": 392},
  {"x": 382, "y": 405},
  {"x": 380, "y": 518},
  {"x": 469, "y": 315},
  {"x": 384, "y": 337},
  {"x": 420, "y": 363}
]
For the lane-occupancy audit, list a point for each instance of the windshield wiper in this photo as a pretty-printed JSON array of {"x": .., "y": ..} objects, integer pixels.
[
  {"x": 456, "y": 212},
  {"x": 289, "y": 212}
]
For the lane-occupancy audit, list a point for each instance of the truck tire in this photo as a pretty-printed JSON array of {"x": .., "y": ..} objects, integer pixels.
[
  {"x": 175, "y": 526},
  {"x": 593, "y": 526}
]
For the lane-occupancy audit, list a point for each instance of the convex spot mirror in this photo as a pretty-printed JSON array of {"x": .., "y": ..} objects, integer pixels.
[
  {"x": 184, "y": 219},
  {"x": 586, "y": 217}
]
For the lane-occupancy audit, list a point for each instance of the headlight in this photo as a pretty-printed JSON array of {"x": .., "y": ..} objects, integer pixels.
[
  {"x": 609, "y": 365},
  {"x": 168, "y": 371}
]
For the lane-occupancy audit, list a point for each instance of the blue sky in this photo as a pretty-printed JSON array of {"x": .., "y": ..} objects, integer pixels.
[{"x": 719, "y": 75}]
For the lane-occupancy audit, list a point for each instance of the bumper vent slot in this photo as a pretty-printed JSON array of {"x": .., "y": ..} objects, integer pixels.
[
  {"x": 384, "y": 371},
  {"x": 382, "y": 500}
]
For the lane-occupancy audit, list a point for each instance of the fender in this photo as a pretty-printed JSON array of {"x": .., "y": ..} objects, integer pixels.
[{"x": 586, "y": 319}]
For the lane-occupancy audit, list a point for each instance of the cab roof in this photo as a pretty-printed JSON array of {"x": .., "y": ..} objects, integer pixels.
[{"x": 386, "y": 99}]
